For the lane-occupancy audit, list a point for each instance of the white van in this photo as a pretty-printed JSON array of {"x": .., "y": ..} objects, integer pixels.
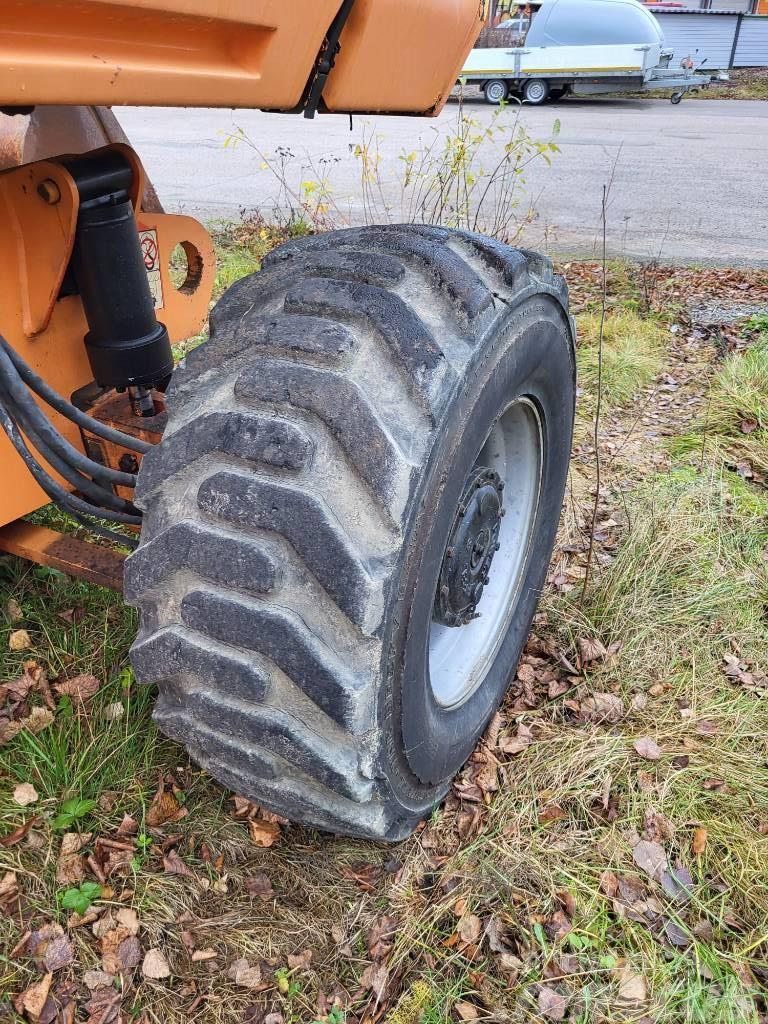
[{"x": 543, "y": 49}]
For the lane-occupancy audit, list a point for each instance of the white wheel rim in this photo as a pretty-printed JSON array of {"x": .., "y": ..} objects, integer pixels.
[
  {"x": 460, "y": 656},
  {"x": 535, "y": 92},
  {"x": 496, "y": 92}
]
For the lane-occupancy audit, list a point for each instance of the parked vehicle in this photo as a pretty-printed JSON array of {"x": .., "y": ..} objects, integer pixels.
[{"x": 585, "y": 47}]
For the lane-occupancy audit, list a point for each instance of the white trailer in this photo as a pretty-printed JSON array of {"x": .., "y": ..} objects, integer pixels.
[{"x": 579, "y": 46}]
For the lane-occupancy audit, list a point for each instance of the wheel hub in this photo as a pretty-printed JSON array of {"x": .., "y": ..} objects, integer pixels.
[{"x": 473, "y": 541}]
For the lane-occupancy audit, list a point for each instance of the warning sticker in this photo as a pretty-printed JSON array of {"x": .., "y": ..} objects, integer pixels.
[{"x": 151, "y": 253}]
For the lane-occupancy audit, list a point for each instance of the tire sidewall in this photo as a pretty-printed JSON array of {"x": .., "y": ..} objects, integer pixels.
[{"x": 529, "y": 354}]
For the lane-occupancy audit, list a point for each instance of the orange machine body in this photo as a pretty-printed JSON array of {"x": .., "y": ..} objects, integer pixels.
[
  {"x": 395, "y": 55},
  {"x": 63, "y": 62},
  {"x": 47, "y": 330}
]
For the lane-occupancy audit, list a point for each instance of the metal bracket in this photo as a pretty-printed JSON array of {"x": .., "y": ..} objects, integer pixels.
[{"x": 326, "y": 59}]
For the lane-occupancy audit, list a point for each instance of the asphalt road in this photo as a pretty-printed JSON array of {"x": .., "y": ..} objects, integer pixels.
[{"x": 686, "y": 182}]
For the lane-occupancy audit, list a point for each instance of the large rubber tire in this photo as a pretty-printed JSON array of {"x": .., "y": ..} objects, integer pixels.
[{"x": 298, "y": 507}]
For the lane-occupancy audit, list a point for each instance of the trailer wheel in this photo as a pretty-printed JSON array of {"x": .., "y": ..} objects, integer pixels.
[
  {"x": 536, "y": 91},
  {"x": 495, "y": 91},
  {"x": 676, "y": 97},
  {"x": 349, "y": 519}
]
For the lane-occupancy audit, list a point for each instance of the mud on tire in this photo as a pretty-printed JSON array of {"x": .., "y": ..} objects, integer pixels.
[{"x": 297, "y": 511}]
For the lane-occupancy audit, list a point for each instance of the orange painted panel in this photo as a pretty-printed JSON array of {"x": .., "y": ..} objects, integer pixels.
[
  {"x": 399, "y": 55},
  {"x": 48, "y": 332},
  {"x": 404, "y": 57}
]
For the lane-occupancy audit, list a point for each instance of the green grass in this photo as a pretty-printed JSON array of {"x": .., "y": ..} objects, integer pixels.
[
  {"x": 734, "y": 428},
  {"x": 632, "y": 354},
  {"x": 686, "y": 583}
]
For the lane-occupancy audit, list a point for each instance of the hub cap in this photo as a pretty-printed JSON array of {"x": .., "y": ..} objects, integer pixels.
[
  {"x": 486, "y": 555},
  {"x": 471, "y": 547}
]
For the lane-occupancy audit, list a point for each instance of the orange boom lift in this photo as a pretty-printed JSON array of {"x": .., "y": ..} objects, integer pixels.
[{"x": 338, "y": 510}]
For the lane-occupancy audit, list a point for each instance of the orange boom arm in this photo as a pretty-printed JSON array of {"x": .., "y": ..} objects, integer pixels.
[{"x": 395, "y": 55}]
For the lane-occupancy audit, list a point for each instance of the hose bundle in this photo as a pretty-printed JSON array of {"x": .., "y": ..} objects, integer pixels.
[{"x": 21, "y": 417}]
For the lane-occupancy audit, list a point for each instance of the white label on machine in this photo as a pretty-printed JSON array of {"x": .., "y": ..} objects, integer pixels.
[{"x": 151, "y": 253}]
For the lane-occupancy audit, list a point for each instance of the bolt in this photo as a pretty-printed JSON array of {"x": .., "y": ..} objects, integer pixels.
[
  {"x": 128, "y": 463},
  {"x": 49, "y": 191},
  {"x": 451, "y": 552}
]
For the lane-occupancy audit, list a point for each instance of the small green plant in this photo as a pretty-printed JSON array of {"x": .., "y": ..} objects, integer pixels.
[
  {"x": 72, "y": 811},
  {"x": 757, "y": 324},
  {"x": 334, "y": 1016},
  {"x": 79, "y": 899},
  {"x": 286, "y": 987},
  {"x": 143, "y": 842}
]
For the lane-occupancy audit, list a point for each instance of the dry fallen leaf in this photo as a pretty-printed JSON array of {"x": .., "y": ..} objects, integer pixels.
[
  {"x": 516, "y": 744},
  {"x": 650, "y": 857},
  {"x": 79, "y": 688},
  {"x": 469, "y": 928},
  {"x": 8, "y": 886},
  {"x": 14, "y": 837},
  {"x": 244, "y": 975},
  {"x": 59, "y": 953},
  {"x": 25, "y": 794},
  {"x": 699, "y": 841},
  {"x": 34, "y": 998},
  {"x": 632, "y": 987},
  {"x": 609, "y": 883},
  {"x": 70, "y": 867},
  {"x": 203, "y": 954},
  {"x": 552, "y": 812},
  {"x": 259, "y": 885},
  {"x": 466, "y": 1011},
  {"x": 591, "y": 650},
  {"x": 552, "y": 1004},
  {"x": 647, "y": 748},
  {"x": 602, "y": 707},
  {"x": 120, "y": 951},
  {"x": 98, "y": 979},
  {"x": 155, "y": 965},
  {"x": 301, "y": 961},
  {"x": 19, "y": 640},
  {"x": 713, "y": 784},
  {"x": 375, "y": 977},
  {"x": 381, "y": 937},
  {"x": 174, "y": 865},
  {"x": 128, "y": 826},
  {"x": 37, "y": 720},
  {"x": 127, "y": 918},
  {"x": 104, "y": 1006},
  {"x": 263, "y": 833},
  {"x": 164, "y": 808}
]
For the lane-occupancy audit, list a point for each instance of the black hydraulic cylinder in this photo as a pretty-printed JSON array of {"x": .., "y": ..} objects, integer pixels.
[{"x": 126, "y": 344}]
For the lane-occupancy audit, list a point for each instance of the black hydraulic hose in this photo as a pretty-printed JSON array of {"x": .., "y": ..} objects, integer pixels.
[
  {"x": 55, "y": 491},
  {"x": 34, "y": 419},
  {"x": 92, "y": 491},
  {"x": 71, "y": 412},
  {"x": 73, "y": 506}
]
